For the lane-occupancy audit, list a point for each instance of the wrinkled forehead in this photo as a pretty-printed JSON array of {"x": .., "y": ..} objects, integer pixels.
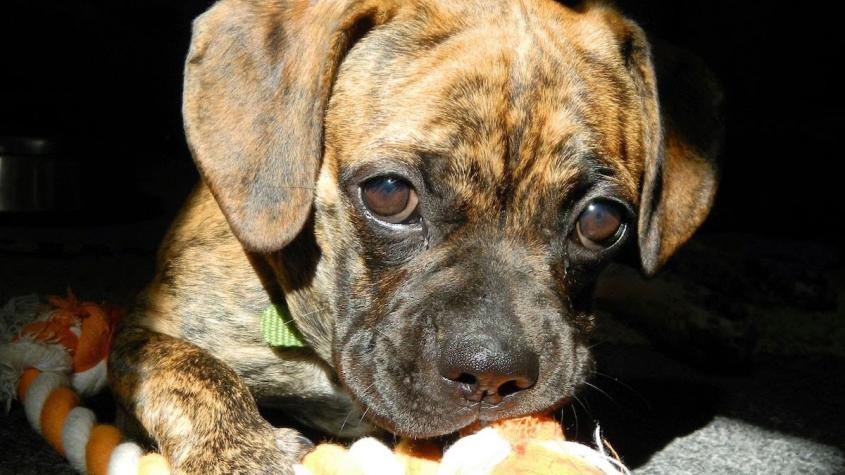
[{"x": 532, "y": 102}]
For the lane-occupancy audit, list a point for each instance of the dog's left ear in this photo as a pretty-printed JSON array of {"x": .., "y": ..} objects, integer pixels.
[
  {"x": 257, "y": 80},
  {"x": 682, "y": 102}
]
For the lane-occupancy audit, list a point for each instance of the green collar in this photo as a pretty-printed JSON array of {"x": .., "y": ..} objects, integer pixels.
[{"x": 279, "y": 329}]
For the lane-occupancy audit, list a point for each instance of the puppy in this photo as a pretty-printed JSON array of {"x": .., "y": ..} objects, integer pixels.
[{"x": 431, "y": 187}]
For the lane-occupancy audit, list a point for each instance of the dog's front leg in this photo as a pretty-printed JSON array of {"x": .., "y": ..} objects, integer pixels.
[{"x": 196, "y": 408}]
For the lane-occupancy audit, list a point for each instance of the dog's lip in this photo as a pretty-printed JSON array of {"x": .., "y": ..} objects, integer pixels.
[
  {"x": 471, "y": 418},
  {"x": 491, "y": 413},
  {"x": 464, "y": 416}
]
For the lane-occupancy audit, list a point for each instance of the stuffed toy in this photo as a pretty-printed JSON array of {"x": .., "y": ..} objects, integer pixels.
[
  {"x": 525, "y": 445},
  {"x": 51, "y": 357}
]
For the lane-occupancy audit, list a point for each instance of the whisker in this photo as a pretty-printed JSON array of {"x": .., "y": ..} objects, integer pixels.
[
  {"x": 558, "y": 414},
  {"x": 584, "y": 405},
  {"x": 346, "y": 419},
  {"x": 304, "y": 315},
  {"x": 364, "y": 414},
  {"x": 601, "y": 391},
  {"x": 321, "y": 309},
  {"x": 626, "y": 386},
  {"x": 308, "y": 314}
]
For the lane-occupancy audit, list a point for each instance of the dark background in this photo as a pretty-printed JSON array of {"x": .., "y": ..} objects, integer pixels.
[{"x": 105, "y": 76}]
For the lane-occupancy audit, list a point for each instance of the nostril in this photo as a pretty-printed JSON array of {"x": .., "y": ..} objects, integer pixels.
[
  {"x": 466, "y": 378},
  {"x": 483, "y": 368},
  {"x": 509, "y": 388},
  {"x": 489, "y": 387}
]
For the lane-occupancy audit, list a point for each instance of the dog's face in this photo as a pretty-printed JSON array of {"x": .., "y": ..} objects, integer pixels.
[
  {"x": 475, "y": 166},
  {"x": 460, "y": 159}
]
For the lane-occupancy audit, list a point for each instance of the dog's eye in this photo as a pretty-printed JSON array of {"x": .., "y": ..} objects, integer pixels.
[
  {"x": 390, "y": 199},
  {"x": 600, "y": 225}
]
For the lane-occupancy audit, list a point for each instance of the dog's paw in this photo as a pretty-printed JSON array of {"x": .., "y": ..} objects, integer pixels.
[
  {"x": 266, "y": 451},
  {"x": 274, "y": 451}
]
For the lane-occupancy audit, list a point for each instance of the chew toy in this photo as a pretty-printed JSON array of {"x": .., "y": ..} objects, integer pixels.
[
  {"x": 526, "y": 445},
  {"x": 51, "y": 357}
]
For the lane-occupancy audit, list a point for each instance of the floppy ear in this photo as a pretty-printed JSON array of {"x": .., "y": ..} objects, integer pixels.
[
  {"x": 680, "y": 173},
  {"x": 257, "y": 80}
]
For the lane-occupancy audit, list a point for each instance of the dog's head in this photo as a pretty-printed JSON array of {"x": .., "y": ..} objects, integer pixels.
[{"x": 463, "y": 170}]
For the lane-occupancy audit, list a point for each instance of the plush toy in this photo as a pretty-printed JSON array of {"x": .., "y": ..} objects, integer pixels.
[
  {"x": 526, "y": 445},
  {"x": 51, "y": 357}
]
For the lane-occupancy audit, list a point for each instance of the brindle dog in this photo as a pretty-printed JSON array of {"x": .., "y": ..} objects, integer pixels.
[{"x": 432, "y": 186}]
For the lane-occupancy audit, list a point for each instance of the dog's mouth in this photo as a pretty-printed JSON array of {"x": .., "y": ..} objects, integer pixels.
[
  {"x": 424, "y": 390},
  {"x": 484, "y": 418},
  {"x": 462, "y": 420},
  {"x": 486, "y": 414},
  {"x": 410, "y": 400}
]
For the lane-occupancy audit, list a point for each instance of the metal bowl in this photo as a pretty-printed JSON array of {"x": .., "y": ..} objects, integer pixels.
[{"x": 37, "y": 175}]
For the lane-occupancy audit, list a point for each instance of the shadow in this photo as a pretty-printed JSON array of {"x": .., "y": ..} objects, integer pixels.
[
  {"x": 640, "y": 416},
  {"x": 644, "y": 400}
]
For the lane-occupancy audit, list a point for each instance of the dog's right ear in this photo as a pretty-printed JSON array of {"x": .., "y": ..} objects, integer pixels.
[
  {"x": 680, "y": 181},
  {"x": 257, "y": 80}
]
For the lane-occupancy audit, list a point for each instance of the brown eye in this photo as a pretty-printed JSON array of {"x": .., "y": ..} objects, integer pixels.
[
  {"x": 390, "y": 199},
  {"x": 600, "y": 225}
]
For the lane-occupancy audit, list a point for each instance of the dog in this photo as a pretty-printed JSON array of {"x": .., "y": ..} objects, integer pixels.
[{"x": 431, "y": 188}]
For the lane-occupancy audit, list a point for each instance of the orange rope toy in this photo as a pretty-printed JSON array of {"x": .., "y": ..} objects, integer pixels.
[{"x": 51, "y": 357}]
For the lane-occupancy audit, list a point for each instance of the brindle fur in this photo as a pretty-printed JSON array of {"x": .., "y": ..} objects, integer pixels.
[{"x": 506, "y": 116}]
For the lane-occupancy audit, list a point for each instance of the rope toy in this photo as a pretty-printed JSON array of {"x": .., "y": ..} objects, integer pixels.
[{"x": 52, "y": 357}]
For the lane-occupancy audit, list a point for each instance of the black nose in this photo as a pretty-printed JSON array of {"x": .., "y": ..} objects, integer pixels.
[{"x": 487, "y": 368}]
